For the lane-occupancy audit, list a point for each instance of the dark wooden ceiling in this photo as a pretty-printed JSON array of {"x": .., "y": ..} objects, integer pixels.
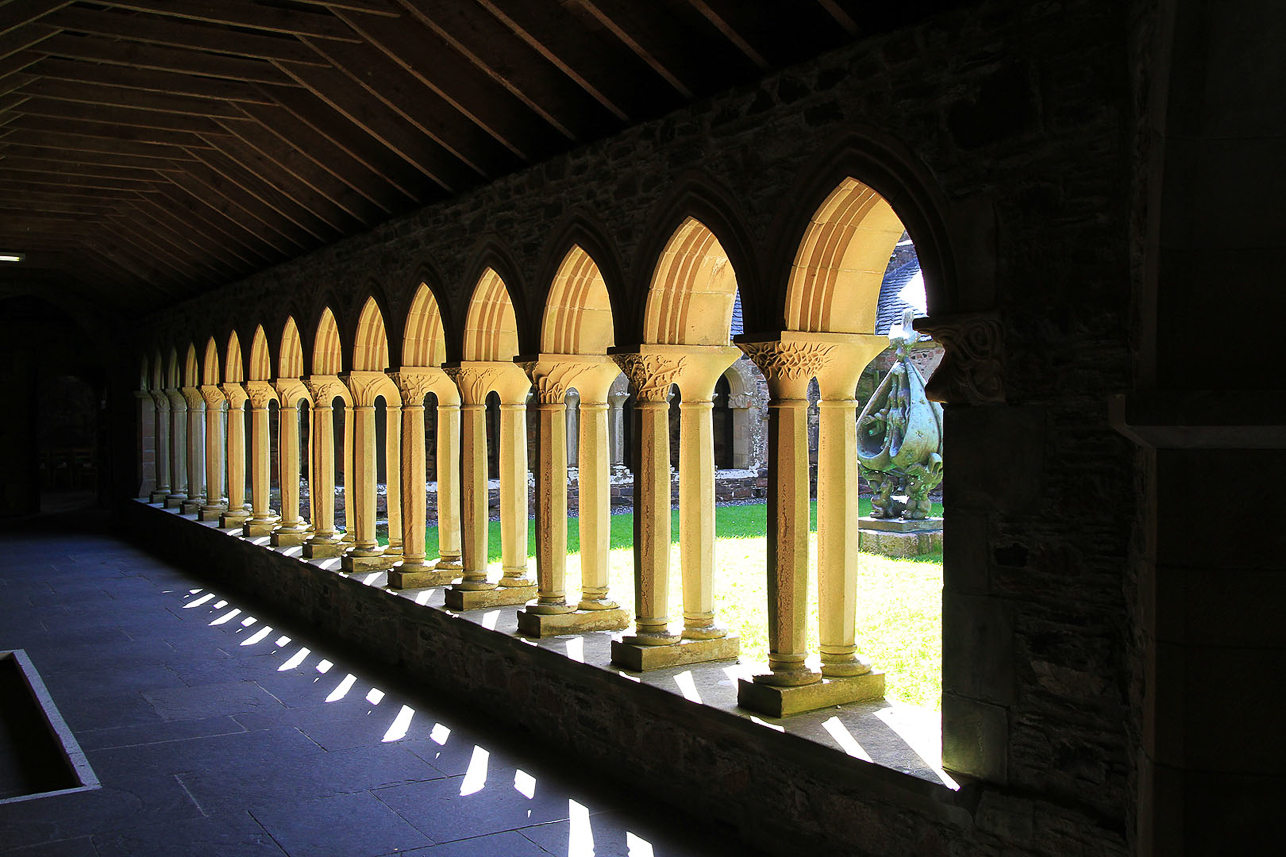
[{"x": 154, "y": 149}]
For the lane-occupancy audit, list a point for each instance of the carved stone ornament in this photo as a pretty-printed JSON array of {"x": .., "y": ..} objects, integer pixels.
[
  {"x": 235, "y": 393},
  {"x": 414, "y": 386},
  {"x": 973, "y": 364},
  {"x": 178, "y": 402},
  {"x": 552, "y": 380},
  {"x": 324, "y": 390},
  {"x": 193, "y": 397},
  {"x": 214, "y": 397},
  {"x": 474, "y": 383},
  {"x": 260, "y": 394},
  {"x": 793, "y": 361},
  {"x": 162, "y": 401},
  {"x": 650, "y": 375}
]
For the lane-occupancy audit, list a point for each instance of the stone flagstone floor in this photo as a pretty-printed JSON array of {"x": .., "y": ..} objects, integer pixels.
[{"x": 217, "y": 730}]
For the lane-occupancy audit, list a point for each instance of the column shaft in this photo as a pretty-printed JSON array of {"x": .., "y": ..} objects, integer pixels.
[
  {"x": 837, "y": 538},
  {"x": 163, "y": 450},
  {"x": 473, "y": 455},
  {"x": 551, "y": 510},
  {"x": 288, "y": 462},
  {"x": 447, "y": 464},
  {"x": 652, "y": 526},
  {"x": 347, "y": 450},
  {"x": 359, "y": 487},
  {"x": 261, "y": 463},
  {"x": 413, "y": 485},
  {"x": 214, "y": 449},
  {"x": 513, "y": 495},
  {"x": 787, "y": 543},
  {"x": 322, "y": 491},
  {"x": 595, "y": 506},
  {"x": 696, "y": 519},
  {"x": 179, "y": 447},
  {"x": 393, "y": 475},
  {"x": 236, "y": 456},
  {"x": 196, "y": 452}
]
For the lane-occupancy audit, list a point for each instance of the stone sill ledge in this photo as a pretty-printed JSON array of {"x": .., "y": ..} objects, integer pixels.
[
  {"x": 1202, "y": 419},
  {"x": 867, "y": 748}
]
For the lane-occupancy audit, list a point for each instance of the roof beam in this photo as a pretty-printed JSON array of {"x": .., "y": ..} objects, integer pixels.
[
  {"x": 17, "y": 163},
  {"x": 248, "y": 15},
  {"x": 195, "y": 208},
  {"x": 112, "y": 96},
  {"x": 163, "y": 59},
  {"x": 14, "y": 15},
  {"x": 73, "y": 141},
  {"x": 273, "y": 205},
  {"x": 228, "y": 198},
  {"x": 172, "y": 34},
  {"x": 122, "y": 122},
  {"x": 395, "y": 133},
  {"x": 21, "y": 38},
  {"x": 66, "y": 156},
  {"x": 422, "y": 107},
  {"x": 147, "y": 80},
  {"x": 152, "y": 217},
  {"x": 435, "y": 64},
  {"x": 162, "y": 209}
]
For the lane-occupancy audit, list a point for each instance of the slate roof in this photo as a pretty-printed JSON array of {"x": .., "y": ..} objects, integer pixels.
[{"x": 903, "y": 287}]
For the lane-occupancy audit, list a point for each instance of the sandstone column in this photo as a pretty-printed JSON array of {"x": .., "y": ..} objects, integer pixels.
[
  {"x": 162, "y": 415},
  {"x": 262, "y": 520},
  {"x": 393, "y": 476},
  {"x": 214, "y": 504},
  {"x": 293, "y": 529},
  {"x": 326, "y": 540},
  {"x": 447, "y": 464},
  {"x": 195, "y": 450},
  {"x": 238, "y": 510},
  {"x": 178, "y": 448},
  {"x": 475, "y": 380}
]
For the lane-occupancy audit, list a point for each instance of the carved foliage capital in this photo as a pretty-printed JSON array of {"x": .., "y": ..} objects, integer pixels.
[
  {"x": 474, "y": 382},
  {"x": 788, "y": 361},
  {"x": 650, "y": 375},
  {"x": 235, "y": 393},
  {"x": 324, "y": 389},
  {"x": 414, "y": 386},
  {"x": 973, "y": 362},
  {"x": 161, "y": 400},
  {"x": 193, "y": 397},
  {"x": 212, "y": 396},
  {"x": 260, "y": 393}
]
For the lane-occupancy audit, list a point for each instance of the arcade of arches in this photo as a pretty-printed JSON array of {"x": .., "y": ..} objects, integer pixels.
[{"x": 207, "y": 434}]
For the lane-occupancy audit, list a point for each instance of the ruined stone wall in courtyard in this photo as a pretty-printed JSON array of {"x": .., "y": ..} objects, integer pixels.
[{"x": 1014, "y": 117}]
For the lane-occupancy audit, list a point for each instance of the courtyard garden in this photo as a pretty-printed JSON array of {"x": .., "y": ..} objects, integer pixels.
[{"x": 899, "y": 618}]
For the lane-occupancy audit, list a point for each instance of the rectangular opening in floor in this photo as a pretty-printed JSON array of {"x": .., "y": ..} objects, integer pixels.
[{"x": 39, "y": 755}]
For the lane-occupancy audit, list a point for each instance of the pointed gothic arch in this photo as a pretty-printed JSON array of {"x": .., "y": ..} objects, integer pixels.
[
  {"x": 578, "y": 313},
  {"x": 693, "y": 289},
  {"x": 490, "y": 328},
  {"x": 424, "y": 342}
]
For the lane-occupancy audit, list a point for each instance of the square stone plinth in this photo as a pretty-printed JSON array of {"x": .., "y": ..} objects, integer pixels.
[
  {"x": 232, "y": 520},
  {"x": 479, "y": 599},
  {"x": 204, "y": 514},
  {"x": 189, "y": 507},
  {"x": 254, "y": 529},
  {"x": 422, "y": 578},
  {"x": 785, "y": 701},
  {"x": 900, "y": 545},
  {"x": 157, "y": 497},
  {"x": 174, "y": 503},
  {"x": 280, "y": 539},
  {"x": 644, "y": 658},
  {"x": 353, "y": 564},
  {"x": 578, "y": 622},
  {"x": 323, "y": 550}
]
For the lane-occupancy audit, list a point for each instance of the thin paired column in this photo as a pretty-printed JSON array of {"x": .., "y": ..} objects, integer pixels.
[
  {"x": 325, "y": 540},
  {"x": 161, "y": 414},
  {"x": 651, "y": 372},
  {"x": 238, "y": 509},
  {"x": 213, "y": 399},
  {"x": 178, "y": 448},
  {"x": 367, "y": 387},
  {"x": 262, "y": 520},
  {"x": 555, "y": 377},
  {"x": 195, "y": 449},
  {"x": 293, "y": 530},
  {"x": 789, "y": 361},
  {"x": 475, "y": 380}
]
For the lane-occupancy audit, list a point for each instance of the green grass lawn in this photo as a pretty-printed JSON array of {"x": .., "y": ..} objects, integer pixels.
[{"x": 899, "y": 609}]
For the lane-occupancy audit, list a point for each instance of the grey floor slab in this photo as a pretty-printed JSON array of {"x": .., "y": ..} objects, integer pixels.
[
  {"x": 212, "y": 737},
  {"x": 370, "y": 828}
]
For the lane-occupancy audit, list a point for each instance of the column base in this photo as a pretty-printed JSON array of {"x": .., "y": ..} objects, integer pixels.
[
  {"x": 352, "y": 564},
  {"x": 421, "y": 577},
  {"x": 478, "y": 599},
  {"x": 323, "y": 550},
  {"x": 190, "y": 507},
  {"x": 643, "y": 658},
  {"x": 286, "y": 539},
  {"x": 233, "y": 520},
  {"x": 580, "y": 622},
  {"x": 175, "y": 502},
  {"x": 784, "y": 701},
  {"x": 210, "y": 513},
  {"x": 253, "y": 528},
  {"x": 158, "y": 496}
]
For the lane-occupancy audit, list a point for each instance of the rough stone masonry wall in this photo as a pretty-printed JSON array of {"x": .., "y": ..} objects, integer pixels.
[{"x": 1016, "y": 114}]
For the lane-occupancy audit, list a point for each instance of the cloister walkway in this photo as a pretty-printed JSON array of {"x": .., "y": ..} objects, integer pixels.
[{"x": 215, "y": 728}]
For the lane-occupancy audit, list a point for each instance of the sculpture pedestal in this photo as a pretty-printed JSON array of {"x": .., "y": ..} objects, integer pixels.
[
  {"x": 785, "y": 701},
  {"x": 899, "y": 538},
  {"x": 643, "y": 658},
  {"x": 578, "y": 622}
]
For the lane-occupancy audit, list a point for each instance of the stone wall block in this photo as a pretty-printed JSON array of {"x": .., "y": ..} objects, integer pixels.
[
  {"x": 996, "y": 458},
  {"x": 975, "y": 738},
  {"x": 978, "y": 647}
]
